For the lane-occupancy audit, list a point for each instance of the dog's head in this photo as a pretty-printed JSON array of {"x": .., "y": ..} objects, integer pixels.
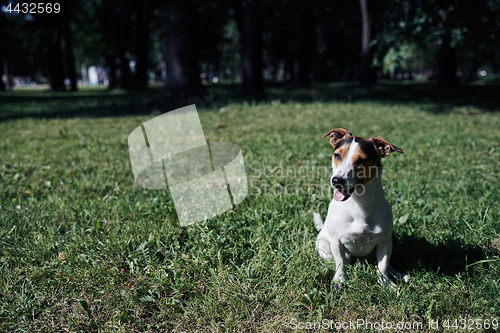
[{"x": 355, "y": 160}]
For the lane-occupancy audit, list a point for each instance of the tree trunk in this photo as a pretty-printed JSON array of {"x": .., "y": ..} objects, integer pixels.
[
  {"x": 301, "y": 66},
  {"x": 143, "y": 16},
  {"x": 319, "y": 67},
  {"x": 447, "y": 65},
  {"x": 118, "y": 37},
  {"x": 114, "y": 73},
  {"x": 56, "y": 68},
  {"x": 2, "y": 84},
  {"x": 445, "y": 54},
  {"x": 70, "y": 57},
  {"x": 3, "y": 54},
  {"x": 366, "y": 72},
  {"x": 248, "y": 19},
  {"x": 9, "y": 83},
  {"x": 183, "y": 78},
  {"x": 124, "y": 25},
  {"x": 289, "y": 75}
]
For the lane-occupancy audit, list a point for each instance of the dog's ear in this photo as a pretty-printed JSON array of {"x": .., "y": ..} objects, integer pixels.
[
  {"x": 384, "y": 147},
  {"x": 337, "y": 134}
]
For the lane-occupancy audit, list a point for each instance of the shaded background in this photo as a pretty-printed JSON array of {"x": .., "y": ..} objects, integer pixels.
[
  {"x": 247, "y": 47},
  {"x": 84, "y": 249}
]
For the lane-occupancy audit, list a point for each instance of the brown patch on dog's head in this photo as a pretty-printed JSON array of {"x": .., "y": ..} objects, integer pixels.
[
  {"x": 341, "y": 150},
  {"x": 366, "y": 161},
  {"x": 337, "y": 134},
  {"x": 384, "y": 147}
]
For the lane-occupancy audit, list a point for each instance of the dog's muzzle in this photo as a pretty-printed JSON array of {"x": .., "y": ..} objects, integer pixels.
[{"x": 341, "y": 190}]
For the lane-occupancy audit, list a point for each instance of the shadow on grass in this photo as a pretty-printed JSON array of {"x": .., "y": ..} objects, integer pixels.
[
  {"x": 412, "y": 253},
  {"x": 449, "y": 257},
  {"x": 485, "y": 97},
  {"x": 480, "y": 94},
  {"x": 109, "y": 103},
  {"x": 85, "y": 103}
]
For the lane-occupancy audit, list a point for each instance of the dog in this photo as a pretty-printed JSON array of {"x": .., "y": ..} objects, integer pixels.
[{"x": 359, "y": 218}]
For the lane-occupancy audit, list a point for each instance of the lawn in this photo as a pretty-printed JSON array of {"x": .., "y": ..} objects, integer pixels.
[{"x": 83, "y": 249}]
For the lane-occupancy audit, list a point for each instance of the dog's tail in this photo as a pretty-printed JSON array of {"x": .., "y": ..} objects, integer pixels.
[{"x": 318, "y": 221}]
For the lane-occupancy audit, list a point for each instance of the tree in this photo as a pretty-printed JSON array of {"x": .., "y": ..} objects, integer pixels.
[
  {"x": 455, "y": 35},
  {"x": 118, "y": 34},
  {"x": 278, "y": 38},
  {"x": 320, "y": 47},
  {"x": 367, "y": 74},
  {"x": 248, "y": 19},
  {"x": 143, "y": 15},
  {"x": 7, "y": 37},
  {"x": 446, "y": 59},
  {"x": 68, "y": 39},
  {"x": 303, "y": 45},
  {"x": 183, "y": 78},
  {"x": 55, "y": 56}
]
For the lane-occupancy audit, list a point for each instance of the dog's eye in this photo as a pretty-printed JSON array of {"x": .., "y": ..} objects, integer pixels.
[
  {"x": 336, "y": 156},
  {"x": 361, "y": 161}
]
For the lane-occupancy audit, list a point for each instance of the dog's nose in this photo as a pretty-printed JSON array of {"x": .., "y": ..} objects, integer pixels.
[{"x": 338, "y": 181}]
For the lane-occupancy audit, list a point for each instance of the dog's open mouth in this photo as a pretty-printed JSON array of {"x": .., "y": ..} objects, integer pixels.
[{"x": 342, "y": 193}]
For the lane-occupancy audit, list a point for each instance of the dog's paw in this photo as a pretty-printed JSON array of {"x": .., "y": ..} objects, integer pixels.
[
  {"x": 398, "y": 275},
  {"x": 386, "y": 282},
  {"x": 337, "y": 285},
  {"x": 324, "y": 255}
]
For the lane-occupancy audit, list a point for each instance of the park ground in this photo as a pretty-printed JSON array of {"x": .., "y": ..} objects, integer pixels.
[{"x": 83, "y": 249}]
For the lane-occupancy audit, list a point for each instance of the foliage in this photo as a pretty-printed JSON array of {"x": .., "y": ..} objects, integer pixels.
[
  {"x": 472, "y": 28},
  {"x": 407, "y": 58},
  {"x": 413, "y": 25}
]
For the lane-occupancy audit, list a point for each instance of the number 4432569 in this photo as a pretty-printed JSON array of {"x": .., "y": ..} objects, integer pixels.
[
  {"x": 34, "y": 8},
  {"x": 471, "y": 324}
]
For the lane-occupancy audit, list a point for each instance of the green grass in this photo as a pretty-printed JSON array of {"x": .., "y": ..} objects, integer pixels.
[{"x": 83, "y": 249}]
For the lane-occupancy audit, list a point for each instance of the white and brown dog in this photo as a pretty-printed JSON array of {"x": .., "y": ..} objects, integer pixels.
[{"x": 359, "y": 218}]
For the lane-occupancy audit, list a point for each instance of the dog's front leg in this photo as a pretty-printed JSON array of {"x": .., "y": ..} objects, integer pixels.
[
  {"x": 341, "y": 260},
  {"x": 384, "y": 251}
]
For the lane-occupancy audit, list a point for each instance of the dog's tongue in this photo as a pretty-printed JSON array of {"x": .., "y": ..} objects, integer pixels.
[{"x": 338, "y": 195}]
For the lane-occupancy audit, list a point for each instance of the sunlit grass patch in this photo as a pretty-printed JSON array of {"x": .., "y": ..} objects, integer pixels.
[{"x": 76, "y": 231}]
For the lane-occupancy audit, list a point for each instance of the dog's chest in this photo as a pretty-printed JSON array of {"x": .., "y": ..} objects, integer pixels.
[{"x": 359, "y": 238}]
